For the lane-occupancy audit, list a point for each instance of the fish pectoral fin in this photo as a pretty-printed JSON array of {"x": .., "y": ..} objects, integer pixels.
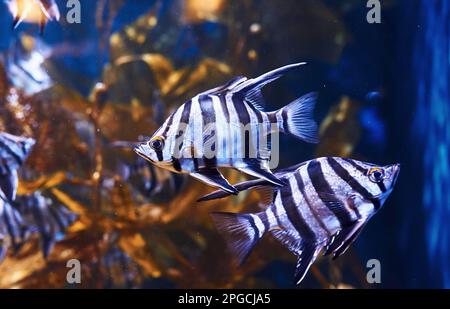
[
  {"x": 257, "y": 171},
  {"x": 214, "y": 178},
  {"x": 306, "y": 250},
  {"x": 337, "y": 204},
  {"x": 307, "y": 256},
  {"x": 342, "y": 240}
]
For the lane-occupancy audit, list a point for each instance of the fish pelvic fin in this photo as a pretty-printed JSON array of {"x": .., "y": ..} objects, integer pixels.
[
  {"x": 214, "y": 178},
  {"x": 298, "y": 118},
  {"x": 241, "y": 232},
  {"x": 258, "y": 170},
  {"x": 243, "y": 186}
]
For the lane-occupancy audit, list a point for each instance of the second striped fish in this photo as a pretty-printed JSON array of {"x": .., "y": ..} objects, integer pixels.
[{"x": 325, "y": 204}]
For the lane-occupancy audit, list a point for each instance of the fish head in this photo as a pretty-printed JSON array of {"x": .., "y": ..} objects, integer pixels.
[
  {"x": 157, "y": 151},
  {"x": 378, "y": 180}
]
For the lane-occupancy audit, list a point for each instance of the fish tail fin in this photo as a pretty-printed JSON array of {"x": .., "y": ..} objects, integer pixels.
[
  {"x": 241, "y": 232},
  {"x": 298, "y": 118}
]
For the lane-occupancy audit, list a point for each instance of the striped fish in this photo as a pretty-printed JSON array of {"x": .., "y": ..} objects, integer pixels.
[
  {"x": 13, "y": 152},
  {"x": 324, "y": 205},
  {"x": 13, "y": 230},
  {"x": 41, "y": 215},
  {"x": 227, "y": 127}
]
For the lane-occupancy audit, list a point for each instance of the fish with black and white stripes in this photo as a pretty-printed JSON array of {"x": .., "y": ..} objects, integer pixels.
[
  {"x": 13, "y": 152},
  {"x": 324, "y": 205},
  {"x": 227, "y": 127}
]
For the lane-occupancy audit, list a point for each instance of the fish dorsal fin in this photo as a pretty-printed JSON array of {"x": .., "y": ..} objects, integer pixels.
[
  {"x": 342, "y": 240},
  {"x": 261, "y": 81},
  {"x": 213, "y": 177},
  {"x": 234, "y": 82},
  {"x": 256, "y": 98}
]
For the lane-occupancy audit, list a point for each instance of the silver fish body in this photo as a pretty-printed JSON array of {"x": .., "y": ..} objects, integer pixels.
[
  {"x": 227, "y": 127},
  {"x": 324, "y": 205}
]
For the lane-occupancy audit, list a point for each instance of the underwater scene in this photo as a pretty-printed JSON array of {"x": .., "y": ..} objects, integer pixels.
[{"x": 218, "y": 144}]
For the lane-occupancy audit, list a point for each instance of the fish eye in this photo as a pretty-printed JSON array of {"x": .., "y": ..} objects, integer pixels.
[
  {"x": 376, "y": 174},
  {"x": 157, "y": 143}
]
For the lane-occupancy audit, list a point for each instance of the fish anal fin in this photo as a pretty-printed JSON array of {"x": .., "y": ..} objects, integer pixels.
[
  {"x": 347, "y": 243},
  {"x": 214, "y": 178},
  {"x": 306, "y": 250},
  {"x": 308, "y": 255},
  {"x": 288, "y": 239},
  {"x": 343, "y": 239}
]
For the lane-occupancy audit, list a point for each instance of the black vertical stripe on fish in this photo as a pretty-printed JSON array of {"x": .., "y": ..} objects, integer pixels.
[
  {"x": 223, "y": 104},
  {"x": 355, "y": 165},
  {"x": 345, "y": 175},
  {"x": 272, "y": 118},
  {"x": 159, "y": 155},
  {"x": 301, "y": 187},
  {"x": 244, "y": 120},
  {"x": 321, "y": 185},
  {"x": 169, "y": 124},
  {"x": 241, "y": 110},
  {"x": 176, "y": 164},
  {"x": 209, "y": 119},
  {"x": 381, "y": 186},
  {"x": 184, "y": 119},
  {"x": 195, "y": 160},
  {"x": 265, "y": 220},
  {"x": 284, "y": 117},
  {"x": 376, "y": 203},
  {"x": 288, "y": 203}
]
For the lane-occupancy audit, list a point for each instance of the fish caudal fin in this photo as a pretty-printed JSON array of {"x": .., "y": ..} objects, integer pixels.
[
  {"x": 298, "y": 118},
  {"x": 241, "y": 232}
]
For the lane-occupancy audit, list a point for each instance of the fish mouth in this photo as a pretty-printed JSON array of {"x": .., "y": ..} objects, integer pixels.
[
  {"x": 140, "y": 150},
  {"x": 396, "y": 172}
]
